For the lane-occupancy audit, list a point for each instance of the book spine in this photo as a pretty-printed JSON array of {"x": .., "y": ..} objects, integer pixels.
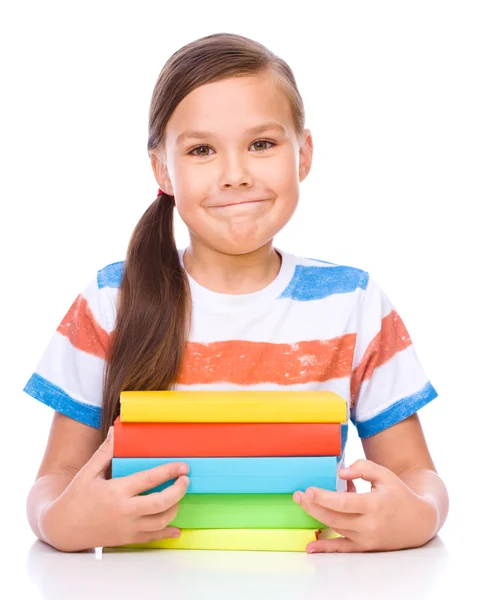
[
  {"x": 266, "y": 475},
  {"x": 232, "y": 407},
  {"x": 278, "y": 540},
  {"x": 226, "y": 439}
]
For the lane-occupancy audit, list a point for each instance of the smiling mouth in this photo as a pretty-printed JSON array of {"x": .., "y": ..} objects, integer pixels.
[{"x": 240, "y": 203}]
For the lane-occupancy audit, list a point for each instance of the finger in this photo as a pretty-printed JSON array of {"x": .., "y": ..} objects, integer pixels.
[
  {"x": 101, "y": 459},
  {"x": 153, "y": 536},
  {"x": 339, "y": 501},
  {"x": 342, "y": 544},
  {"x": 331, "y": 518},
  {"x": 159, "y": 521},
  {"x": 151, "y": 478},
  {"x": 158, "y": 502},
  {"x": 368, "y": 471}
]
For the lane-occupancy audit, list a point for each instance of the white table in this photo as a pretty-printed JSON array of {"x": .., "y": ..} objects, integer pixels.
[{"x": 431, "y": 571}]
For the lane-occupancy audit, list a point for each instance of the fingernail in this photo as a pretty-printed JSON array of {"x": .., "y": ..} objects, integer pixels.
[
  {"x": 185, "y": 480},
  {"x": 297, "y": 497},
  {"x": 110, "y": 433},
  {"x": 183, "y": 470},
  {"x": 176, "y": 534},
  {"x": 310, "y": 493}
]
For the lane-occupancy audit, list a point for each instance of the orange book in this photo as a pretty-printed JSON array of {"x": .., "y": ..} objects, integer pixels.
[{"x": 155, "y": 439}]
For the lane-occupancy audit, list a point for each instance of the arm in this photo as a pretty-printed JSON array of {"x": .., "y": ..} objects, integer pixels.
[
  {"x": 73, "y": 507},
  {"x": 403, "y": 450},
  {"x": 70, "y": 445}
]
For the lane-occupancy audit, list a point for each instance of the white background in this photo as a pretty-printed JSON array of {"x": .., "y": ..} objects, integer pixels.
[{"x": 394, "y": 95}]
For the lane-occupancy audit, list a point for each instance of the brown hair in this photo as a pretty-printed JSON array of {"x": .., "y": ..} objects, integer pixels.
[{"x": 154, "y": 304}]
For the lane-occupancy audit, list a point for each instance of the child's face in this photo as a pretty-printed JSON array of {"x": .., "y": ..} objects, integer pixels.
[{"x": 233, "y": 165}]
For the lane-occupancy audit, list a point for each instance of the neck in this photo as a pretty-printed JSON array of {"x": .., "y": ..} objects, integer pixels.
[{"x": 232, "y": 273}]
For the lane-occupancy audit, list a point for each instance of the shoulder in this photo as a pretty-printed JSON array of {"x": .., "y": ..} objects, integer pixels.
[
  {"x": 336, "y": 271},
  {"x": 101, "y": 293},
  {"x": 110, "y": 275},
  {"x": 315, "y": 278}
]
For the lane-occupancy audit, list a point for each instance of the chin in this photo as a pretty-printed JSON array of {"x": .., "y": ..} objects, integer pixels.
[{"x": 239, "y": 249}]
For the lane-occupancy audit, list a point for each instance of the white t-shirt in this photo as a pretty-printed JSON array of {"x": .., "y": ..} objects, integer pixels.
[{"x": 317, "y": 326}]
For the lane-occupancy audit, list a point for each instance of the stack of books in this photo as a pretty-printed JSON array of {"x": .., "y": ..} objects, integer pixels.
[{"x": 247, "y": 453}]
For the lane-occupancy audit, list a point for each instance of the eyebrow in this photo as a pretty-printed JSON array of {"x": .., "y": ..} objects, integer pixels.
[{"x": 191, "y": 134}]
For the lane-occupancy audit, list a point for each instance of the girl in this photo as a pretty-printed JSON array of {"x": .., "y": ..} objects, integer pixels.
[{"x": 229, "y": 149}]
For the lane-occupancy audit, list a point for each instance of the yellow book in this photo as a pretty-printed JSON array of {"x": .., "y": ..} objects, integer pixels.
[
  {"x": 276, "y": 540},
  {"x": 268, "y": 406}
]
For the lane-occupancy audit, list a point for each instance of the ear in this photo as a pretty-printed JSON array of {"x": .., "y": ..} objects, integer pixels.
[
  {"x": 306, "y": 154},
  {"x": 161, "y": 173}
]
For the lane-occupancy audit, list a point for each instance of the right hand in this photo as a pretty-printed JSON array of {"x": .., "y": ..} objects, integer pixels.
[{"x": 94, "y": 511}]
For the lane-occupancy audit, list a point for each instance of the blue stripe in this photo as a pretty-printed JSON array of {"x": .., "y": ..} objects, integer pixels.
[
  {"x": 111, "y": 275},
  {"x": 397, "y": 412},
  {"x": 315, "y": 283},
  {"x": 40, "y": 388}
]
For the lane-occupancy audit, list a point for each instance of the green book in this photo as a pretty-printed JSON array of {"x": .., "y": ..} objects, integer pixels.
[{"x": 242, "y": 511}]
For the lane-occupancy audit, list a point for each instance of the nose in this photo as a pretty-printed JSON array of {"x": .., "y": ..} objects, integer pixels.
[{"x": 235, "y": 173}]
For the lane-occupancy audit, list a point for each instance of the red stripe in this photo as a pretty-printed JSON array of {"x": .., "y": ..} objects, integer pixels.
[
  {"x": 392, "y": 338},
  {"x": 248, "y": 363},
  {"x": 83, "y": 331}
]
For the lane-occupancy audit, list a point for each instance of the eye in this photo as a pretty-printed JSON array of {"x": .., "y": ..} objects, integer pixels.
[
  {"x": 256, "y": 142},
  {"x": 199, "y": 155},
  {"x": 263, "y": 142}
]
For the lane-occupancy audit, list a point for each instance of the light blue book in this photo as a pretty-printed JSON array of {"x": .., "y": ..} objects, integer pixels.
[{"x": 265, "y": 475}]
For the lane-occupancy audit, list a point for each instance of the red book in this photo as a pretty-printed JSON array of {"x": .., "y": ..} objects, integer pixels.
[{"x": 181, "y": 440}]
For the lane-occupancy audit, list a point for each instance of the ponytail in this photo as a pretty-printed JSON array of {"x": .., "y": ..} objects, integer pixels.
[{"x": 153, "y": 313}]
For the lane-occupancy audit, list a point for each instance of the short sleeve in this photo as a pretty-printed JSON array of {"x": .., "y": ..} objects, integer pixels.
[
  {"x": 388, "y": 383},
  {"x": 69, "y": 374}
]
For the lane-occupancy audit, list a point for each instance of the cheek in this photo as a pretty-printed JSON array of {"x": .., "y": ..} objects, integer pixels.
[
  {"x": 282, "y": 174},
  {"x": 284, "y": 182},
  {"x": 187, "y": 180}
]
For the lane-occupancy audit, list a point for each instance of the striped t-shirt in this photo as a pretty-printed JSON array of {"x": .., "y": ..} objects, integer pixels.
[{"x": 316, "y": 326}]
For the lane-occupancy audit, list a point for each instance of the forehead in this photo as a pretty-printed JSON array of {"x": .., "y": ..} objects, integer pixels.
[{"x": 229, "y": 106}]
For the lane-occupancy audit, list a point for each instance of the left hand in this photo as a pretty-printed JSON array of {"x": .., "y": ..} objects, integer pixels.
[{"x": 389, "y": 517}]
